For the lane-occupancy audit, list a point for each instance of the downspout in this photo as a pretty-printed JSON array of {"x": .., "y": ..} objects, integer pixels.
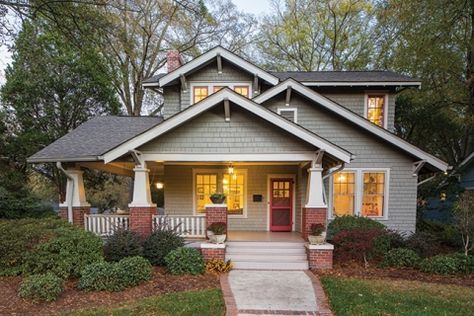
[
  {"x": 339, "y": 168},
  {"x": 68, "y": 194}
]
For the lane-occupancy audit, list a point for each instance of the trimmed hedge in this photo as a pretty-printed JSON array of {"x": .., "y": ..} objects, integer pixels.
[
  {"x": 159, "y": 244},
  {"x": 185, "y": 261},
  {"x": 121, "y": 244},
  {"x": 346, "y": 223},
  {"x": 401, "y": 258},
  {"x": 41, "y": 287}
]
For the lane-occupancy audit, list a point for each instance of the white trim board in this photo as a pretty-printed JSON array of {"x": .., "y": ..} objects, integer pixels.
[
  {"x": 354, "y": 118},
  {"x": 236, "y": 99},
  {"x": 213, "y": 53},
  {"x": 361, "y": 84}
]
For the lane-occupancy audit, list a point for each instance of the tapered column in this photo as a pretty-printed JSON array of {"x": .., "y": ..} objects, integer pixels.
[
  {"x": 75, "y": 198},
  {"x": 315, "y": 209},
  {"x": 141, "y": 208}
]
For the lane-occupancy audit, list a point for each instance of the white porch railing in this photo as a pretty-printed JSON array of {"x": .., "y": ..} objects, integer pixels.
[
  {"x": 186, "y": 226},
  {"x": 105, "y": 224}
]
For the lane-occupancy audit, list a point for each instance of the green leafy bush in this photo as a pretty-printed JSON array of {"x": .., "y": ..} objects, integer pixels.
[
  {"x": 355, "y": 244},
  {"x": 115, "y": 276},
  {"x": 41, "y": 287},
  {"x": 22, "y": 204},
  {"x": 401, "y": 258},
  {"x": 423, "y": 243},
  {"x": 465, "y": 263},
  {"x": 185, "y": 261},
  {"x": 121, "y": 244},
  {"x": 64, "y": 254},
  {"x": 441, "y": 265},
  {"x": 346, "y": 222},
  {"x": 160, "y": 243}
]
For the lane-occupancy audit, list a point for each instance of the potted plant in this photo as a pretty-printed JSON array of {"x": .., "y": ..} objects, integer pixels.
[
  {"x": 217, "y": 198},
  {"x": 317, "y": 234},
  {"x": 217, "y": 232}
]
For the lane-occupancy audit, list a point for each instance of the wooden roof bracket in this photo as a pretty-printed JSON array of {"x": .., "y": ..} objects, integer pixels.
[
  {"x": 318, "y": 158},
  {"x": 417, "y": 166},
  {"x": 227, "y": 110},
  {"x": 288, "y": 96},
  {"x": 255, "y": 85},
  {"x": 184, "y": 84},
  {"x": 219, "y": 63}
]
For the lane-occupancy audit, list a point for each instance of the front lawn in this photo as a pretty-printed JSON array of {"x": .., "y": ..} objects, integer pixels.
[
  {"x": 356, "y": 296},
  {"x": 204, "y": 302}
]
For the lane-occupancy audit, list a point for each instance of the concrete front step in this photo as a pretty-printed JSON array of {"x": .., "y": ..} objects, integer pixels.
[
  {"x": 264, "y": 244},
  {"x": 245, "y": 265},
  {"x": 266, "y": 258},
  {"x": 268, "y": 251}
]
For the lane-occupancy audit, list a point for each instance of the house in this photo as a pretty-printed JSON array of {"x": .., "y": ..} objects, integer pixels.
[{"x": 289, "y": 149}]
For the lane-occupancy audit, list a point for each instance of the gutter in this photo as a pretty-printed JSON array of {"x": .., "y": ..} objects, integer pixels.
[
  {"x": 337, "y": 169},
  {"x": 68, "y": 194}
]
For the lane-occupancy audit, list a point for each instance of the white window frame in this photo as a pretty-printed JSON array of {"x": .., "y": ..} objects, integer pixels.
[
  {"x": 220, "y": 177},
  {"x": 210, "y": 87},
  {"x": 294, "y": 110},
  {"x": 359, "y": 192},
  {"x": 385, "y": 105}
]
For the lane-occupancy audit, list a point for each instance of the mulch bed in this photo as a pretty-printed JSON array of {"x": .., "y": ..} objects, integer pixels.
[
  {"x": 395, "y": 273},
  {"x": 71, "y": 298}
]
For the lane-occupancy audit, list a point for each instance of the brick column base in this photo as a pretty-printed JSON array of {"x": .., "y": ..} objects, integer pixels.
[
  {"x": 312, "y": 216},
  {"x": 213, "y": 251},
  {"x": 216, "y": 213},
  {"x": 141, "y": 220},
  {"x": 78, "y": 213},
  {"x": 320, "y": 256}
]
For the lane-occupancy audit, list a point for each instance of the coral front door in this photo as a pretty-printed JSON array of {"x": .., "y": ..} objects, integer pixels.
[{"x": 281, "y": 205}]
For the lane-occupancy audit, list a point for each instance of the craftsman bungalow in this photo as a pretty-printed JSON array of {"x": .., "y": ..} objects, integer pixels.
[{"x": 287, "y": 148}]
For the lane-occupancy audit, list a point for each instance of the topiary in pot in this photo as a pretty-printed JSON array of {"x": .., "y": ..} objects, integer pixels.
[
  {"x": 317, "y": 234},
  {"x": 218, "y": 231}
]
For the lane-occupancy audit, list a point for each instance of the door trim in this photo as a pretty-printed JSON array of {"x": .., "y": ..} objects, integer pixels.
[{"x": 291, "y": 176}]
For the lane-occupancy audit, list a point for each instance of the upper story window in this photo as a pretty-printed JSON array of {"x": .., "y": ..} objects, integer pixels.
[
  {"x": 201, "y": 91},
  {"x": 375, "y": 109},
  {"x": 289, "y": 114}
]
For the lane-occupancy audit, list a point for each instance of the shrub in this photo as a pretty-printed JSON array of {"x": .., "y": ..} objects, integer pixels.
[
  {"x": 465, "y": 263},
  {"x": 185, "y": 261},
  {"x": 159, "y": 244},
  {"x": 401, "y": 258},
  {"x": 316, "y": 229},
  {"x": 41, "y": 287},
  {"x": 218, "y": 266},
  {"x": 356, "y": 244},
  {"x": 424, "y": 244},
  {"x": 218, "y": 228},
  {"x": 22, "y": 204},
  {"x": 346, "y": 222},
  {"x": 441, "y": 265},
  {"x": 135, "y": 270},
  {"x": 123, "y": 243}
]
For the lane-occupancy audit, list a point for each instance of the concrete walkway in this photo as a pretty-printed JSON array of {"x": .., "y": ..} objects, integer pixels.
[{"x": 250, "y": 292}]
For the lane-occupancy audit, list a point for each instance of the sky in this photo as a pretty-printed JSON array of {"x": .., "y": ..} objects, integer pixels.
[{"x": 257, "y": 7}]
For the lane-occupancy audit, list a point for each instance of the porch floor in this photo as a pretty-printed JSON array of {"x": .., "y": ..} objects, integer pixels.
[{"x": 236, "y": 235}]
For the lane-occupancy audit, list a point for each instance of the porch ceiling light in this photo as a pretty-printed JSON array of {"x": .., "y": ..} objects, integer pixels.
[
  {"x": 159, "y": 185},
  {"x": 230, "y": 169}
]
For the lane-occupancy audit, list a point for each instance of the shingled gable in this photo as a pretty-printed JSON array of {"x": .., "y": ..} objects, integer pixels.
[
  {"x": 237, "y": 100},
  {"x": 352, "y": 117}
]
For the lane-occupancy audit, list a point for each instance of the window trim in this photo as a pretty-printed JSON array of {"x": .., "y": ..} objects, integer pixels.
[
  {"x": 359, "y": 192},
  {"x": 211, "y": 85},
  {"x": 294, "y": 110},
  {"x": 385, "y": 105},
  {"x": 220, "y": 177},
  {"x": 199, "y": 86}
]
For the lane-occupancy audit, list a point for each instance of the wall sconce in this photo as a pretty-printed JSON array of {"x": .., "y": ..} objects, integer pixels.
[{"x": 159, "y": 185}]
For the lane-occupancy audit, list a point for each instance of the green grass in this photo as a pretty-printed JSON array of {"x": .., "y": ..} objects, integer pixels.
[
  {"x": 352, "y": 296},
  {"x": 205, "y": 302}
]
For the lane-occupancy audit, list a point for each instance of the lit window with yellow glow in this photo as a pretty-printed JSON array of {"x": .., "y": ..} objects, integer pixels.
[
  {"x": 375, "y": 109},
  {"x": 343, "y": 193},
  {"x": 199, "y": 93},
  {"x": 217, "y": 88},
  {"x": 373, "y": 194},
  {"x": 206, "y": 185},
  {"x": 243, "y": 90},
  {"x": 233, "y": 188}
]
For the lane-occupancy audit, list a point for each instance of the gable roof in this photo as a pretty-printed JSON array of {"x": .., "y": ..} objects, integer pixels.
[
  {"x": 354, "y": 118},
  {"x": 238, "y": 100},
  {"x": 349, "y": 78},
  {"x": 95, "y": 137},
  {"x": 208, "y": 56}
]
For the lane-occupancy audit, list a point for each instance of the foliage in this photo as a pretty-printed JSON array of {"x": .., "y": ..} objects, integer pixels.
[
  {"x": 355, "y": 244},
  {"x": 346, "y": 222},
  {"x": 41, "y": 287},
  {"x": 185, "y": 261},
  {"x": 218, "y": 228},
  {"x": 135, "y": 270},
  {"x": 22, "y": 204},
  {"x": 401, "y": 258},
  {"x": 157, "y": 246},
  {"x": 448, "y": 264},
  {"x": 218, "y": 266},
  {"x": 464, "y": 216},
  {"x": 122, "y": 243},
  {"x": 444, "y": 234},
  {"x": 106, "y": 191},
  {"x": 316, "y": 229},
  {"x": 423, "y": 243}
]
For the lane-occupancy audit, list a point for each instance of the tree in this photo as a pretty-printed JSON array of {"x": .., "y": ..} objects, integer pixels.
[
  {"x": 317, "y": 35},
  {"x": 464, "y": 216},
  {"x": 50, "y": 89}
]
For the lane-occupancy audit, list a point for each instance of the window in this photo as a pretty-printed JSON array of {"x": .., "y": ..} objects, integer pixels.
[
  {"x": 376, "y": 109},
  {"x": 217, "y": 88},
  {"x": 360, "y": 192},
  {"x": 199, "y": 93},
  {"x": 233, "y": 188},
  {"x": 206, "y": 184},
  {"x": 343, "y": 193},
  {"x": 373, "y": 194},
  {"x": 288, "y": 113},
  {"x": 243, "y": 90}
]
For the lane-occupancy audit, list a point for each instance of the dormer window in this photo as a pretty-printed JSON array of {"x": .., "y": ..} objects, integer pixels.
[
  {"x": 201, "y": 91},
  {"x": 375, "y": 109}
]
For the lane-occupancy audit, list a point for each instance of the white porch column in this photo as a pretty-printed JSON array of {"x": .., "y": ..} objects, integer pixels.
[
  {"x": 75, "y": 187},
  {"x": 314, "y": 194},
  {"x": 141, "y": 188}
]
